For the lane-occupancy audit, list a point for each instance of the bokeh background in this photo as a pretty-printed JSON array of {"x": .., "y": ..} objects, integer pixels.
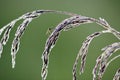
[{"x": 28, "y": 61}]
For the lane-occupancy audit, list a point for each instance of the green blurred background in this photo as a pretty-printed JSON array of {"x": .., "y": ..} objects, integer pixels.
[{"x": 28, "y": 61}]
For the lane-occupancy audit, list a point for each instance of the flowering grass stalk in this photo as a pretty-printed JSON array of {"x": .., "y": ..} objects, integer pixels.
[{"x": 73, "y": 21}]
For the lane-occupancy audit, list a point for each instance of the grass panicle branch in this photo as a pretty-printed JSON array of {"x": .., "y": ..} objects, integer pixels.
[
  {"x": 117, "y": 75},
  {"x": 102, "y": 60},
  {"x": 75, "y": 20},
  {"x": 16, "y": 41},
  {"x": 106, "y": 55},
  {"x": 84, "y": 50},
  {"x": 50, "y": 43}
]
